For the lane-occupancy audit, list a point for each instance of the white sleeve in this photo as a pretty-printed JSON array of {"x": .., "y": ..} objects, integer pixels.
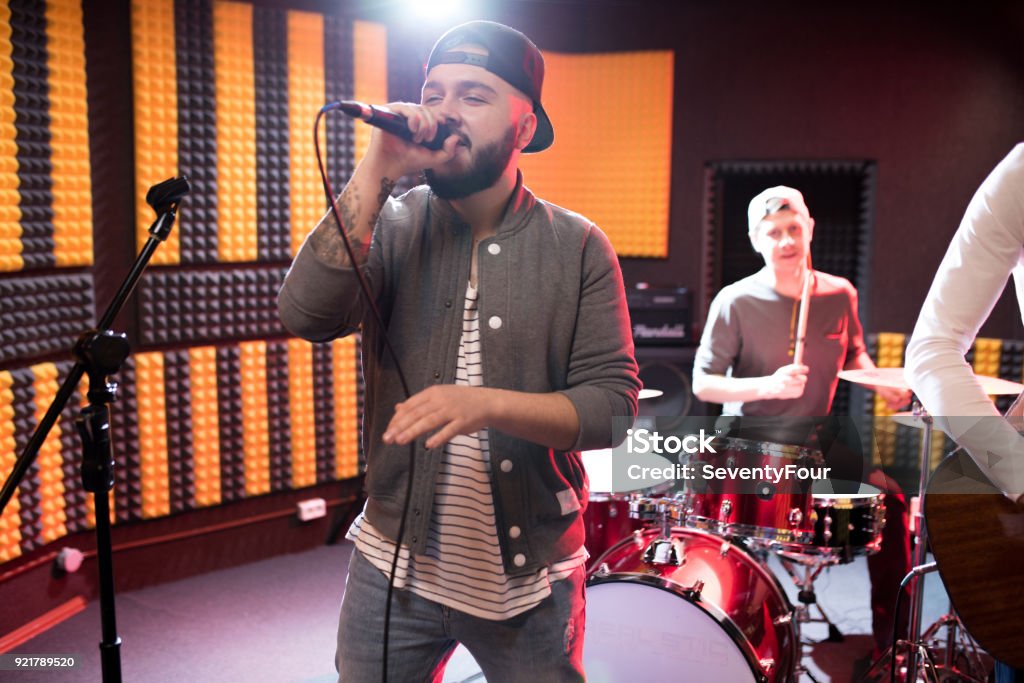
[{"x": 987, "y": 248}]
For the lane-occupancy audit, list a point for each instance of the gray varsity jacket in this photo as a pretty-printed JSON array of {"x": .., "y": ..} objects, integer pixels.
[{"x": 553, "y": 318}]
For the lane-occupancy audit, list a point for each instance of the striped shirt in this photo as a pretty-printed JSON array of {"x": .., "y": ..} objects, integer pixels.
[{"x": 462, "y": 568}]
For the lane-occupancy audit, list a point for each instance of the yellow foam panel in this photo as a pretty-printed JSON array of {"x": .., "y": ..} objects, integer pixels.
[
  {"x": 154, "y": 83},
  {"x": 50, "y": 459},
  {"x": 69, "y": 128},
  {"x": 890, "y": 355},
  {"x": 202, "y": 363},
  {"x": 346, "y": 408},
  {"x": 10, "y": 519},
  {"x": 986, "y": 356},
  {"x": 602, "y": 164},
  {"x": 149, "y": 373},
  {"x": 305, "y": 98},
  {"x": 255, "y": 414},
  {"x": 300, "y": 405},
  {"x": 369, "y": 72},
  {"x": 236, "y": 131},
  {"x": 10, "y": 215}
]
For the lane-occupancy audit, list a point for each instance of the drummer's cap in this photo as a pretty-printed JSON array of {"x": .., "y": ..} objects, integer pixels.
[{"x": 773, "y": 200}]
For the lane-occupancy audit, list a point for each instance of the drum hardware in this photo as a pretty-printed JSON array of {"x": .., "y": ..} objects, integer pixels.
[
  {"x": 807, "y": 597},
  {"x": 724, "y": 512},
  {"x": 696, "y": 617},
  {"x": 846, "y": 526},
  {"x": 662, "y": 551},
  {"x": 726, "y": 506},
  {"x": 916, "y": 644}
]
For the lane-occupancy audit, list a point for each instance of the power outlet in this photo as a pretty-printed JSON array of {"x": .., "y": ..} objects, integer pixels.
[{"x": 313, "y": 508}]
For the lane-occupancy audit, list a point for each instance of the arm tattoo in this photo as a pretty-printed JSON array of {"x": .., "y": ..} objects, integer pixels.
[
  {"x": 386, "y": 186},
  {"x": 325, "y": 240}
]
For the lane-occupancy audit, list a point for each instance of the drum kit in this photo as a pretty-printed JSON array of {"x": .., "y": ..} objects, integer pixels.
[
  {"x": 681, "y": 583},
  {"x": 679, "y": 586}
]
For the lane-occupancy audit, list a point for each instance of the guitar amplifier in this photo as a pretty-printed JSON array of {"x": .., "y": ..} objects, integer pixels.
[{"x": 661, "y": 316}]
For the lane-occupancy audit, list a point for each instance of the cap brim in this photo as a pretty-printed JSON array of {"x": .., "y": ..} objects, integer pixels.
[{"x": 545, "y": 134}]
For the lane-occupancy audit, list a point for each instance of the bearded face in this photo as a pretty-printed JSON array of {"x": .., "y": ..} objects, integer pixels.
[{"x": 485, "y": 167}]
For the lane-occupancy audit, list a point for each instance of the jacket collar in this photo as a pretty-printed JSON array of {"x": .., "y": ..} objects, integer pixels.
[{"x": 517, "y": 212}]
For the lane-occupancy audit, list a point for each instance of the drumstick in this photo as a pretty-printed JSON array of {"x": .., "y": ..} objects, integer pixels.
[{"x": 801, "y": 326}]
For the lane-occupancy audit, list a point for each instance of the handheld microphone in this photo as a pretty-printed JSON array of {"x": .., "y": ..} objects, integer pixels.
[{"x": 387, "y": 121}]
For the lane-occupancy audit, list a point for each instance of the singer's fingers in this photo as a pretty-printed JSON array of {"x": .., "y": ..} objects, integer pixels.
[
  {"x": 419, "y": 120},
  {"x": 450, "y": 143}
]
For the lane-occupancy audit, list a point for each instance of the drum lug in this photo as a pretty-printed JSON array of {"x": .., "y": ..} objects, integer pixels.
[
  {"x": 783, "y": 619},
  {"x": 724, "y": 512},
  {"x": 694, "y": 591},
  {"x": 796, "y": 517},
  {"x": 723, "y": 549},
  {"x": 767, "y": 665},
  {"x": 662, "y": 551},
  {"x": 603, "y": 570}
]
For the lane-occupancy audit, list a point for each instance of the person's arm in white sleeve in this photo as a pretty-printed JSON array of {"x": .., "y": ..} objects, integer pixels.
[{"x": 987, "y": 247}]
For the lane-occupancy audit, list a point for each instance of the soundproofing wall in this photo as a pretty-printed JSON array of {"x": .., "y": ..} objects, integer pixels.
[{"x": 217, "y": 403}]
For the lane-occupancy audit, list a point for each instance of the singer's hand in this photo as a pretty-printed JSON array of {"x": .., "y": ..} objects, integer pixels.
[
  {"x": 446, "y": 408},
  {"x": 399, "y": 157},
  {"x": 788, "y": 381}
]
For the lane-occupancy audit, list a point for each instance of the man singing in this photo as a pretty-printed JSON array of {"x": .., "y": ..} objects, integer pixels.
[{"x": 508, "y": 317}]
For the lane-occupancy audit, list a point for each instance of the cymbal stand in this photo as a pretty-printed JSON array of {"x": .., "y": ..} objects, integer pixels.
[
  {"x": 916, "y": 643},
  {"x": 916, "y": 588}
]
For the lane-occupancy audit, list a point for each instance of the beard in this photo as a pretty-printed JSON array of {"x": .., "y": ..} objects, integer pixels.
[{"x": 484, "y": 170}]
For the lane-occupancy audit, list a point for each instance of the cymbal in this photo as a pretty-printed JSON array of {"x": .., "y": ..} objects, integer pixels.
[
  {"x": 650, "y": 393},
  {"x": 893, "y": 379}
]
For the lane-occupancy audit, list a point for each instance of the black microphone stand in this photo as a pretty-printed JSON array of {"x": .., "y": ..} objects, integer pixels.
[{"x": 100, "y": 352}]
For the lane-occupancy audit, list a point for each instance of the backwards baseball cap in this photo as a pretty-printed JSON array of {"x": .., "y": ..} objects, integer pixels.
[
  {"x": 511, "y": 56},
  {"x": 773, "y": 200}
]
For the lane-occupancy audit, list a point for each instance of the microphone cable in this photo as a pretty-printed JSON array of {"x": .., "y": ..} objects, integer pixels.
[{"x": 378, "y": 319}]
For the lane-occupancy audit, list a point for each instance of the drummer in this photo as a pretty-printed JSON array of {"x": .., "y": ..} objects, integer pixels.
[{"x": 748, "y": 361}]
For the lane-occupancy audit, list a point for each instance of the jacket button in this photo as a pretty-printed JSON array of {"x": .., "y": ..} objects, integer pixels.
[
  {"x": 519, "y": 560},
  {"x": 514, "y": 532},
  {"x": 494, "y": 322},
  {"x": 416, "y": 512},
  {"x": 437, "y": 375},
  {"x": 506, "y": 465},
  {"x": 448, "y": 304},
  {"x": 414, "y": 539},
  {"x": 494, "y": 249}
]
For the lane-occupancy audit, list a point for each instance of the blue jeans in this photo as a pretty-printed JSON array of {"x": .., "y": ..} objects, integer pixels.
[
  {"x": 1007, "y": 674},
  {"x": 542, "y": 645}
]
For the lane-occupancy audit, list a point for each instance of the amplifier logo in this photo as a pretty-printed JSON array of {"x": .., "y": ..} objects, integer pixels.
[{"x": 665, "y": 331}]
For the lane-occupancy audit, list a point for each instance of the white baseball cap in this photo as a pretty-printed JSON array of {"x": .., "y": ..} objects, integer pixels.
[{"x": 775, "y": 199}]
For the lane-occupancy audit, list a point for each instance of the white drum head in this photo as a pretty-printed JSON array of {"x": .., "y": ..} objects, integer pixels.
[{"x": 638, "y": 632}]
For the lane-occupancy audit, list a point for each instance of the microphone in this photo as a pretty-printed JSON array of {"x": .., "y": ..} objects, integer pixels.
[{"x": 387, "y": 121}]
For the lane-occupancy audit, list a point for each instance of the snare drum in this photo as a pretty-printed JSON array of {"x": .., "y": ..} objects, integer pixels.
[
  {"x": 690, "y": 607},
  {"x": 846, "y": 526},
  {"x": 754, "y": 500}
]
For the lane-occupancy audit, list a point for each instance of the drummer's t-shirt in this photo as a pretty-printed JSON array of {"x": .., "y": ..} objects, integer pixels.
[{"x": 751, "y": 332}]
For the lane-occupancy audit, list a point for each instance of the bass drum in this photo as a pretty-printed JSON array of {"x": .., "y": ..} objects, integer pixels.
[{"x": 692, "y": 607}]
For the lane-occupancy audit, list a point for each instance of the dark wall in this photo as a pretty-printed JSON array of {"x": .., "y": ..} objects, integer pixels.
[{"x": 933, "y": 94}]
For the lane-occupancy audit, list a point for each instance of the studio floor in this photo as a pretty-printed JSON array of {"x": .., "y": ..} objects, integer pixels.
[{"x": 275, "y": 621}]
